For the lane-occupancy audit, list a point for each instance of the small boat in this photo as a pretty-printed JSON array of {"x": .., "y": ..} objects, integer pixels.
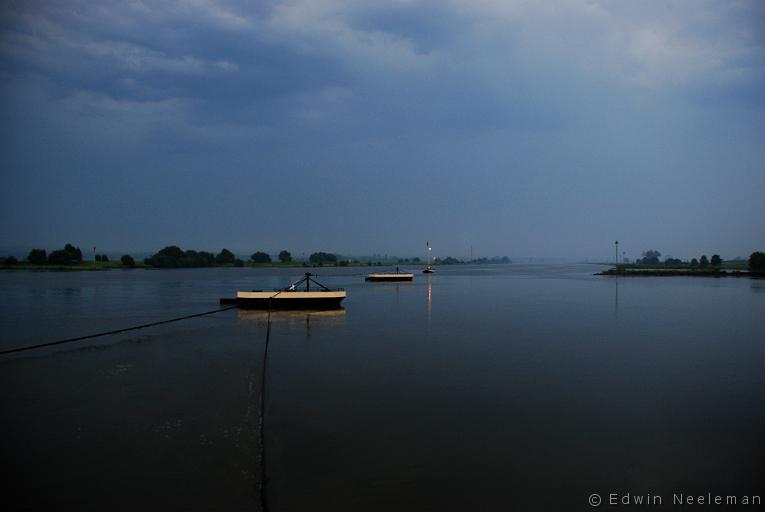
[
  {"x": 391, "y": 276},
  {"x": 290, "y": 297},
  {"x": 429, "y": 269}
]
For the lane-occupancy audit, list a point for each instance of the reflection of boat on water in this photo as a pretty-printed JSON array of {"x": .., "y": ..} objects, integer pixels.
[
  {"x": 290, "y": 297},
  {"x": 391, "y": 276},
  {"x": 296, "y": 322},
  {"x": 291, "y": 315}
]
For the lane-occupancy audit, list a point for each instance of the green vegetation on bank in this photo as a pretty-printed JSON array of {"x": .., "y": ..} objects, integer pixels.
[
  {"x": 68, "y": 258},
  {"x": 172, "y": 256},
  {"x": 650, "y": 265},
  {"x": 84, "y": 265}
]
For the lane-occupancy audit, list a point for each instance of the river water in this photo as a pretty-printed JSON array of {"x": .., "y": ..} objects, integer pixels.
[{"x": 507, "y": 387}]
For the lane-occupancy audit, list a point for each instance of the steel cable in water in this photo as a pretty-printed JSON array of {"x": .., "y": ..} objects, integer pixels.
[
  {"x": 262, "y": 417},
  {"x": 116, "y": 331}
]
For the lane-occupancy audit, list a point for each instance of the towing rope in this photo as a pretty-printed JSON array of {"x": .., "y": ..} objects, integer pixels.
[
  {"x": 262, "y": 419},
  {"x": 116, "y": 331}
]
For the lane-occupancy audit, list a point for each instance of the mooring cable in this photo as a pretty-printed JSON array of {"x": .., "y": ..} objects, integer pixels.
[
  {"x": 116, "y": 331},
  {"x": 262, "y": 418}
]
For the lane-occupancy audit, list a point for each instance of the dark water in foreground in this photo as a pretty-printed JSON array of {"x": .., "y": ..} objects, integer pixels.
[{"x": 478, "y": 388}]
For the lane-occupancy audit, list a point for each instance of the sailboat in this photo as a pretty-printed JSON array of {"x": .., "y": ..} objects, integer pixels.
[{"x": 429, "y": 268}]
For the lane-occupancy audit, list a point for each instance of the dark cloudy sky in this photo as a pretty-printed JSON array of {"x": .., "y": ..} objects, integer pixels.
[{"x": 520, "y": 128}]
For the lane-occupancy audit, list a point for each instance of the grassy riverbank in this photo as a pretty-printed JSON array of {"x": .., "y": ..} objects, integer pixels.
[
  {"x": 82, "y": 266},
  {"x": 117, "y": 265},
  {"x": 636, "y": 270}
]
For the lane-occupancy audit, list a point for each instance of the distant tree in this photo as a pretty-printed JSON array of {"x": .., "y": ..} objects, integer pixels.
[
  {"x": 238, "y": 262},
  {"x": 173, "y": 256},
  {"x": 320, "y": 258},
  {"x": 60, "y": 257},
  {"x": 75, "y": 254},
  {"x": 716, "y": 260},
  {"x": 285, "y": 257},
  {"x": 651, "y": 257},
  {"x": 260, "y": 257},
  {"x": 127, "y": 261},
  {"x": 703, "y": 262},
  {"x": 190, "y": 258},
  {"x": 169, "y": 257},
  {"x": 673, "y": 261},
  {"x": 11, "y": 260},
  {"x": 694, "y": 262},
  {"x": 416, "y": 260},
  {"x": 193, "y": 258},
  {"x": 37, "y": 257},
  {"x": 104, "y": 257},
  {"x": 757, "y": 262},
  {"x": 98, "y": 257},
  {"x": 69, "y": 255},
  {"x": 225, "y": 257},
  {"x": 207, "y": 258}
]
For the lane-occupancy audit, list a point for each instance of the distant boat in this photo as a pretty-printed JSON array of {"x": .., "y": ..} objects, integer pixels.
[
  {"x": 290, "y": 297},
  {"x": 428, "y": 269},
  {"x": 391, "y": 276}
]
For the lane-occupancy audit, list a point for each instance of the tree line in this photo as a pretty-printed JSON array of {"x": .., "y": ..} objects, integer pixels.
[
  {"x": 171, "y": 256},
  {"x": 69, "y": 255},
  {"x": 652, "y": 257},
  {"x": 174, "y": 257}
]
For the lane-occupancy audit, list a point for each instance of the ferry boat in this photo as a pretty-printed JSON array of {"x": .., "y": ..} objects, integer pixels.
[
  {"x": 391, "y": 276},
  {"x": 290, "y": 297}
]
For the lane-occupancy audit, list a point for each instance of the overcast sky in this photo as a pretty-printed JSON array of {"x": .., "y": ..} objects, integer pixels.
[{"x": 520, "y": 128}]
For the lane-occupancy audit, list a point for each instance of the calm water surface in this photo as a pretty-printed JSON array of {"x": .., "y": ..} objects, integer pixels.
[{"x": 476, "y": 388}]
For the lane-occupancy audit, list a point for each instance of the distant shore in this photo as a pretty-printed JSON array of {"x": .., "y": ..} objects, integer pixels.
[
  {"x": 89, "y": 266},
  {"x": 671, "y": 272},
  {"x": 75, "y": 267}
]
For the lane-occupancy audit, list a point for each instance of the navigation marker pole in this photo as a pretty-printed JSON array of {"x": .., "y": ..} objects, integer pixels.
[{"x": 616, "y": 253}]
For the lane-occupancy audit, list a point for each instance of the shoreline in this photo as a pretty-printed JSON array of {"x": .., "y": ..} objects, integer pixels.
[
  {"x": 671, "y": 272},
  {"x": 91, "y": 267}
]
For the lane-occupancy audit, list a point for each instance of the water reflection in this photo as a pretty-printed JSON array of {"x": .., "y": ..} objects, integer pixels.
[
  {"x": 290, "y": 316},
  {"x": 429, "y": 298},
  {"x": 68, "y": 292},
  {"x": 297, "y": 321}
]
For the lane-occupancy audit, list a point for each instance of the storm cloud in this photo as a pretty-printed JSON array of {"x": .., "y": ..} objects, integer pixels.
[{"x": 519, "y": 128}]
